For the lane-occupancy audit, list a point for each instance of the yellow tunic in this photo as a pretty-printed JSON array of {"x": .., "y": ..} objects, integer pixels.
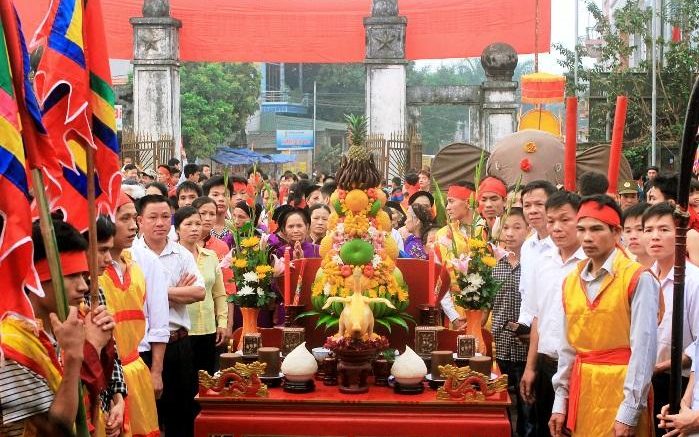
[
  {"x": 125, "y": 301},
  {"x": 600, "y": 332},
  {"x": 212, "y": 312}
]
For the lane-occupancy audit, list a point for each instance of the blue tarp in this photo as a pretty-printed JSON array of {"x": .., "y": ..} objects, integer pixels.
[{"x": 233, "y": 156}]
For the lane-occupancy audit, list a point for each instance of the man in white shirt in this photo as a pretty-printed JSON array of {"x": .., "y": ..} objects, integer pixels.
[
  {"x": 534, "y": 196},
  {"x": 659, "y": 239},
  {"x": 176, "y": 407},
  {"x": 544, "y": 305},
  {"x": 607, "y": 350}
]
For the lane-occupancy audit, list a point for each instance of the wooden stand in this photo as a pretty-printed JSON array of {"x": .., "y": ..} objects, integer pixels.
[
  {"x": 299, "y": 386},
  {"x": 326, "y": 413}
]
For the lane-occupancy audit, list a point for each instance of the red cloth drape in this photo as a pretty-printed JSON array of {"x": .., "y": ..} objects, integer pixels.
[{"x": 321, "y": 31}]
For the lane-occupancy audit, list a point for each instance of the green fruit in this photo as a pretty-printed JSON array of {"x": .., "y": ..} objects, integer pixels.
[
  {"x": 375, "y": 208},
  {"x": 356, "y": 252},
  {"x": 338, "y": 207}
]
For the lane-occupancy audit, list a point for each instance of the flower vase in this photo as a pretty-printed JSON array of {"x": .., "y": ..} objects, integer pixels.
[
  {"x": 474, "y": 322},
  {"x": 249, "y": 323}
]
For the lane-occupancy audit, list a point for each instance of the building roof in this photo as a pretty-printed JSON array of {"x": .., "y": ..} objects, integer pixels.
[{"x": 271, "y": 122}]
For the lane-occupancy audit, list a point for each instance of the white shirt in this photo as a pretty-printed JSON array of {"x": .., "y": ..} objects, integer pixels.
[
  {"x": 695, "y": 390},
  {"x": 532, "y": 250},
  {"x": 399, "y": 239},
  {"x": 644, "y": 317},
  {"x": 690, "y": 324},
  {"x": 155, "y": 307},
  {"x": 543, "y": 300},
  {"x": 176, "y": 261}
]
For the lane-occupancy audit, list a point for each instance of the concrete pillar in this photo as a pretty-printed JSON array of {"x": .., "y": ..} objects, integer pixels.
[
  {"x": 156, "y": 75},
  {"x": 500, "y": 107},
  {"x": 385, "y": 69}
]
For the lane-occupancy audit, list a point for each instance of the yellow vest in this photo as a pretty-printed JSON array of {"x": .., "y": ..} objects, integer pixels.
[
  {"x": 600, "y": 332},
  {"x": 125, "y": 301}
]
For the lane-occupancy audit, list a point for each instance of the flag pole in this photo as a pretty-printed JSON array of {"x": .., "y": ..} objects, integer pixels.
[
  {"x": 688, "y": 149},
  {"x": 48, "y": 234},
  {"x": 92, "y": 226}
]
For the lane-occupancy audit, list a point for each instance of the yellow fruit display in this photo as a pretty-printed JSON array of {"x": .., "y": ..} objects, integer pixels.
[
  {"x": 326, "y": 244},
  {"x": 381, "y": 197},
  {"x": 391, "y": 247},
  {"x": 384, "y": 221},
  {"x": 332, "y": 220},
  {"x": 356, "y": 201}
]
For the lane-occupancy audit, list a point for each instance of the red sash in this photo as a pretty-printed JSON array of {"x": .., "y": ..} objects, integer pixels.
[{"x": 620, "y": 356}]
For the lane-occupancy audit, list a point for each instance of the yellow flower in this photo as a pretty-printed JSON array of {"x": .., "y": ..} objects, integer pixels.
[
  {"x": 240, "y": 263},
  {"x": 475, "y": 243},
  {"x": 263, "y": 269},
  {"x": 489, "y": 261},
  {"x": 250, "y": 242}
]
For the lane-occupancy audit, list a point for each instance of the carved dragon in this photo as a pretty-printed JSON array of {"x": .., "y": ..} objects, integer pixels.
[
  {"x": 238, "y": 382},
  {"x": 357, "y": 319},
  {"x": 464, "y": 384}
]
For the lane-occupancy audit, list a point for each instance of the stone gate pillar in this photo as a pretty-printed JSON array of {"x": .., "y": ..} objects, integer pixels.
[
  {"x": 385, "y": 68},
  {"x": 499, "y": 111},
  {"x": 156, "y": 75}
]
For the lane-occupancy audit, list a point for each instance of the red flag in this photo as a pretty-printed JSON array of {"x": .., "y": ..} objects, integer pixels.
[
  {"x": 74, "y": 87},
  {"x": 19, "y": 125}
]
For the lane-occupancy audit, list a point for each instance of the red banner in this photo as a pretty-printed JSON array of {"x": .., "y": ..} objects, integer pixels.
[{"x": 325, "y": 31}]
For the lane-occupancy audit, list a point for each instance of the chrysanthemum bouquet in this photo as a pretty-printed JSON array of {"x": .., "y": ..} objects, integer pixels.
[
  {"x": 252, "y": 274},
  {"x": 475, "y": 287}
]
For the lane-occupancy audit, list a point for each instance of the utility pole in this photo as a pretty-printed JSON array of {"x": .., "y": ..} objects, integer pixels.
[
  {"x": 313, "y": 154},
  {"x": 654, "y": 92}
]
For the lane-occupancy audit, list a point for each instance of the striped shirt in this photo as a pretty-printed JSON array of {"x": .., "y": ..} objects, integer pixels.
[{"x": 23, "y": 394}]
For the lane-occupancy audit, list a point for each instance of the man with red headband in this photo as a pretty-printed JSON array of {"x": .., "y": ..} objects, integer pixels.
[
  {"x": 38, "y": 390},
  {"x": 492, "y": 193},
  {"x": 607, "y": 352},
  {"x": 238, "y": 187},
  {"x": 459, "y": 227}
]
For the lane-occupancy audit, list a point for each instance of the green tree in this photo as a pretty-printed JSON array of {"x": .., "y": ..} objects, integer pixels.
[
  {"x": 328, "y": 158},
  {"x": 216, "y": 101},
  {"x": 630, "y": 32}
]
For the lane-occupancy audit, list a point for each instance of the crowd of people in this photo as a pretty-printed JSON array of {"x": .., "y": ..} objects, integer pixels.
[{"x": 581, "y": 323}]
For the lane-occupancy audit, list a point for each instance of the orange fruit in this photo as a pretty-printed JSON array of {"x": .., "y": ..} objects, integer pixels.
[{"x": 356, "y": 201}]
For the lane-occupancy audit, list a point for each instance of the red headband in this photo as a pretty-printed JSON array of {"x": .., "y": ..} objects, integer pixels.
[
  {"x": 461, "y": 193},
  {"x": 604, "y": 213},
  {"x": 123, "y": 200},
  {"x": 239, "y": 186},
  {"x": 492, "y": 185},
  {"x": 71, "y": 263}
]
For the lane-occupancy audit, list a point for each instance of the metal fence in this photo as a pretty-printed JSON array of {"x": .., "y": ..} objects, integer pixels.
[
  {"x": 147, "y": 150},
  {"x": 397, "y": 154}
]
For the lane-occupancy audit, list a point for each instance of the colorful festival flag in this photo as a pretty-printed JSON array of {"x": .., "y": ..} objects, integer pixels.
[
  {"x": 73, "y": 83},
  {"x": 16, "y": 247}
]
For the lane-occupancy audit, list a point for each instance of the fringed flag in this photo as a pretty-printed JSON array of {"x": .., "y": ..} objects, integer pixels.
[
  {"x": 16, "y": 248},
  {"x": 73, "y": 82}
]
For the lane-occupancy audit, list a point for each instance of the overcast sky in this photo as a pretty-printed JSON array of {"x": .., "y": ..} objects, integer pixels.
[{"x": 562, "y": 31}]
